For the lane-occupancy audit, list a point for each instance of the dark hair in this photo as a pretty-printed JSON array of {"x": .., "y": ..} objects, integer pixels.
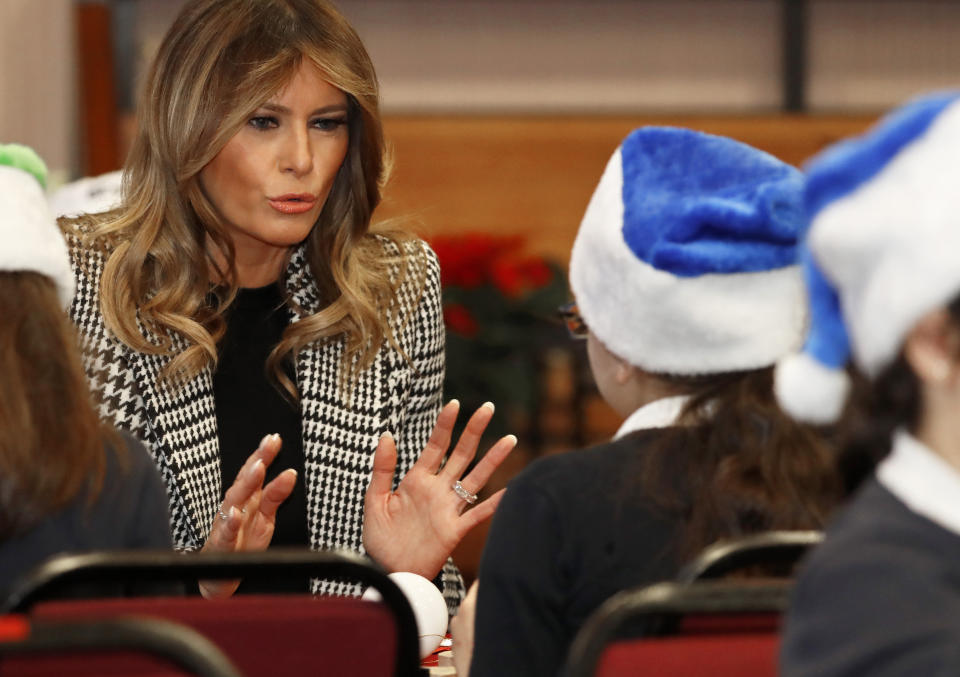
[
  {"x": 876, "y": 409},
  {"x": 744, "y": 466},
  {"x": 51, "y": 439}
]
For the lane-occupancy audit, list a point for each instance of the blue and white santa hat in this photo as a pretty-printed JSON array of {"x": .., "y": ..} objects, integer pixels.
[
  {"x": 685, "y": 261},
  {"x": 29, "y": 237},
  {"x": 882, "y": 249}
]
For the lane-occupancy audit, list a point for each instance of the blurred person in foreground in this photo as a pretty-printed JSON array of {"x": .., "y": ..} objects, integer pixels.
[
  {"x": 687, "y": 292},
  {"x": 239, "y": 299},
  {"x": 68, "y": 482},
  {"x": 881, "y": 595}
]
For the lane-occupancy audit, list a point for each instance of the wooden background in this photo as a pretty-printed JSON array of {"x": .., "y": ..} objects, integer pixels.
[{"x": 534, "y": 175}]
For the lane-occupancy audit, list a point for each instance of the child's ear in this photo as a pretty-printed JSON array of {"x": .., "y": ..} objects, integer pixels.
[{"x": 931, "y": 348}]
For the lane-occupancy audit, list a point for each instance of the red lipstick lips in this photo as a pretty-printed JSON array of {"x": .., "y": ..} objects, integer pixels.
[{"x": 293, "y": 203}]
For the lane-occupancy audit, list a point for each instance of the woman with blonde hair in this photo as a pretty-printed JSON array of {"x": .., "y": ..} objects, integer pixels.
[
  {"x": 67, "y": 481},
  {"x": 240, "y": 290}
]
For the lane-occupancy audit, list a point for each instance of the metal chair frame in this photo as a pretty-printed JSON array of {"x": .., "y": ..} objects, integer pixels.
[
  {"x": 668, "y": 601},
  {"x": 174, "y": 642},
  {"x": 166, "y": 566},
  {"x": 771, "y": 547}
]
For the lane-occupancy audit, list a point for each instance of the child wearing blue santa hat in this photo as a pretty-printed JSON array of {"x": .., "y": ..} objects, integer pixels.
[
  {"x": 687, "y": 292},
  {"x": 881, "y": 596}
]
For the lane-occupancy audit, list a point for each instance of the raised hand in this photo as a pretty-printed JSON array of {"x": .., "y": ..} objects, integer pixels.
[
  {"x": 416, "y": 527},
  {"x": 247, "y": 516}
]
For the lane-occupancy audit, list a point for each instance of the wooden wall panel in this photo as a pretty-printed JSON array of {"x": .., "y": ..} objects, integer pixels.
[
  {"x": 535, "y": 175},
  {"x": 99, "y": 118}
]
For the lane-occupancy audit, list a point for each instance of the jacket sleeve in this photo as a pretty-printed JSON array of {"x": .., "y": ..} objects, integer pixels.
[{"x": 425, "y": 347}]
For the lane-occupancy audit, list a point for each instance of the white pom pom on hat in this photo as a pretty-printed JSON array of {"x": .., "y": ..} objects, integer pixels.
[
  {"x": 809, "y": 390},
  {"x": 881, "y": 249}
]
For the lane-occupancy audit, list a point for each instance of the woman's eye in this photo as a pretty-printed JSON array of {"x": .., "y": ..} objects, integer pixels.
[
  {"x": 263, "y": 122},
  {"x": 328, "y": 124}
]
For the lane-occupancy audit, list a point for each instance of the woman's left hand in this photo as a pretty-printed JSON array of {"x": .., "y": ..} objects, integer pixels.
[
  {"x": 247, "y": 516},
  {"x": 416, "y": 527}
]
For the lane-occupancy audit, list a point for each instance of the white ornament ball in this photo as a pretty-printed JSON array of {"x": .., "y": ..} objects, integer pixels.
[{"x": 429, "y": 608}]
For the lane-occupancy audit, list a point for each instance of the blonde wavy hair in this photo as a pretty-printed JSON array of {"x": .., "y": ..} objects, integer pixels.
[{"x": 219, "y": 61}]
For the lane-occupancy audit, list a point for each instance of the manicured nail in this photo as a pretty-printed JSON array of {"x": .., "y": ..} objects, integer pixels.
[
  {"x": 275, "y": 437},
  {"x": 489, "y": 405},
  {"x": 263, "y": 441},
  {"x": 255, "y": 468},
  {"x": 387, "y": 434},
  {"x": 513, "y": 439},
  {"x": 295, "y": 474},
  {"x": 454, "y": 402}
]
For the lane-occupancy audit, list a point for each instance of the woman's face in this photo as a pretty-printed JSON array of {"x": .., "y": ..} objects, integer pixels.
[{"x": 270, "y": 181}]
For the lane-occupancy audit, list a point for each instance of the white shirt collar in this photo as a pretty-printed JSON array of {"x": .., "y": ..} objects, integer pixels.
[
  {"x": 926, "y": 483},
  {"x": 660, "y": 413}
]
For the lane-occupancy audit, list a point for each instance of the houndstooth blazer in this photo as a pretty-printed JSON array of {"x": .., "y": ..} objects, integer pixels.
[{"x": 340, "y": 430}]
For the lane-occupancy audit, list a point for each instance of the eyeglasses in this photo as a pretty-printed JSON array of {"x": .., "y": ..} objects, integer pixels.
[{"x": 570, "y": 315}]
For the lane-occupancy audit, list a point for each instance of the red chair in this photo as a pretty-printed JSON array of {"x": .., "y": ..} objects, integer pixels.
[
  {"x": 127, "y": 646},
  {"x": 263, "y": 635},
  {"x": 702, "y": 629}
]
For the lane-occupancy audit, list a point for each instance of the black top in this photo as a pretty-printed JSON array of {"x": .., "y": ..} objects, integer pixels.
[
  {"x": 250, "y": 405},
  {"x": 572, "y": 530},
  {"x": 131, "y": 511},
  {"x": 879, "y": 597}
]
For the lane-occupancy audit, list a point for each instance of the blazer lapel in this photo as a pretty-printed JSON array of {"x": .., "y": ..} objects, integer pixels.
[
  {"x": 184, "y": 428},
  {"x": 340, "y": 425}
]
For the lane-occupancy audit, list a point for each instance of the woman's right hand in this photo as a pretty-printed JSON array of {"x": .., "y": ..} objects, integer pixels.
[{"x": 247, "y": 516}]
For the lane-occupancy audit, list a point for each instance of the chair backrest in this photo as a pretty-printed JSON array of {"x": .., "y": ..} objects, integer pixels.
[
  {"x": 780, "y": 549},
  {"x": 702, "y": 629},
  {"x": 115, "y": 646},
  {"x": 269, "y": 634}
]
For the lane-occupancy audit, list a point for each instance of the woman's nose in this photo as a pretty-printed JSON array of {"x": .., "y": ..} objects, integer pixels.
[{"x": 297, "y": 154}]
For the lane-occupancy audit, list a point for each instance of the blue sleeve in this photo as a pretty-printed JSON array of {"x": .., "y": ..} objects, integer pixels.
[{"x": 519, "y": 618}]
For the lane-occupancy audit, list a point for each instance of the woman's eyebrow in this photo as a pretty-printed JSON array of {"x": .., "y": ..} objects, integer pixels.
[{"x": 323, "y": 110}]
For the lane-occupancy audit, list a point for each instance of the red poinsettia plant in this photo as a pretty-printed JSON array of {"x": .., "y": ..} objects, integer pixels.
[{"x": 499, "y": 306}]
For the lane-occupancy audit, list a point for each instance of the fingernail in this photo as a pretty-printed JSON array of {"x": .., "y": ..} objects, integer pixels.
[
  {"x": 387, "y": 434},
  {"x": 295, "y": 473},
  {"x": 513, "y": 439},
  {"x": 454, "y": 401},
  {"x": 263, "y": 441},
  {"x": 256, "y": 466},
  {"x": 275, "y": 437},
  {"x": 489, "y": 405}
]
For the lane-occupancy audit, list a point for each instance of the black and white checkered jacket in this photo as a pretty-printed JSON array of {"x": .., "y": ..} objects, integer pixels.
[{"x": 340, "y": 429}]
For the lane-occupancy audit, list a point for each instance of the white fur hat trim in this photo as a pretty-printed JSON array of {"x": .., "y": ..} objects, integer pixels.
[{"x": 31, "y": 239}]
